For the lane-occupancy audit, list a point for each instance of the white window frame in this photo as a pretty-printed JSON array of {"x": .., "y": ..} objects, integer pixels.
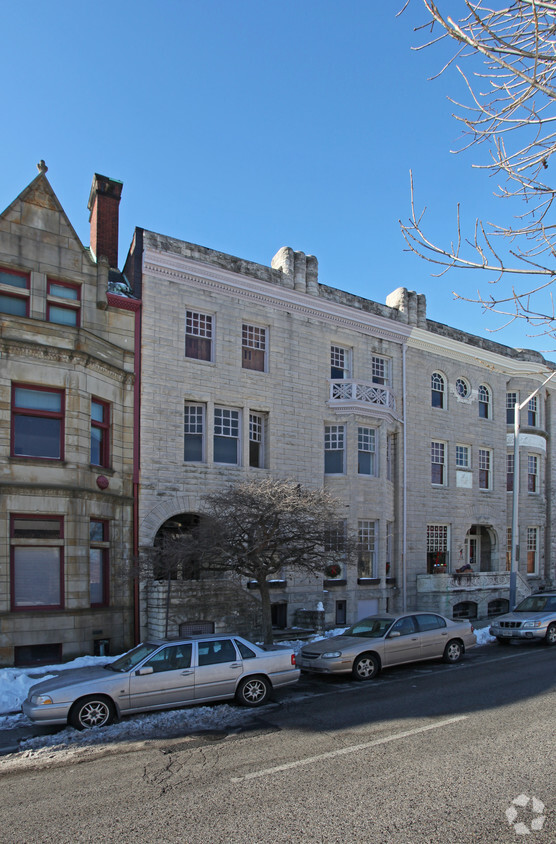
[
  {"x": 463, "y": 390},
  {"x": 484, "y": 395},
  {"x": 438, "y": 385},
  {"x": 195, "y": 421},
  {"x": 438, "y": 542},
  {"x": 335, "y": 441},
  {"x": 439, "y": 449},
  {"x": 340, "y": 358},
  {"x": 485, "y": 464},
  {"x": 510, "y": 471},
  {"x": 533, "y": 412},
  {"x": 229, "y": 420},
  {"x": 254, "y": 338},
  {"x": 367, "y": 443},
  {"x": 532, "y": 548},
  {"x": 381, "y": 370},
  {"x": 200, "y": 326},
  {"x": 512, "y": 399},
  {"x": 367, "y": 542},
  {"x": 463, "y": 451},
  {"x": 533, "y": 471},
  {"x": 257, "y": 434}
]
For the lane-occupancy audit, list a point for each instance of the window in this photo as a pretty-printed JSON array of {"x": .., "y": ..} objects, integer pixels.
[
  {"x": 98, "y": 562},
  {"x": 37, "y": 561},
  {"x": 367, "y": 535},
  {"x": 533, "y": 412},
  {"x": 366, "y": 458},
  {"x": 198, "y": 336},
  {"x": 509, "y": 472},
  {"x": 437, "y": 389},
  {"x": 438, "y": 460},
  {"x": 253, "y": 348},
  {"x": 429, "y": 621},
  {"x": 226, "y": 435},
  {"x": 463, "y": 460},
  {"x": 532, "y": 473},
  {"x": 14, "y": 292},
  {"x": 100, "y": 433},
  {"x": 37, "y": 422},
  {"x": 405, "y": 626},
  {"x": 216, "y": 651},
  {"x": 511, "y": 401},
  {"x": 532, "y": 550},
  {"x": 389, "y": 548},
  {"x": 380, "y": 370},
  {"x": 340, "y": 362},
  {"x": 390, "y": 456},
  {"x": 437, "y": 548},
  {"x": 334, "y": 449},
  {"x": 171, "y": 658},
  {"x": 193, "y": 433},
  {"x": 256, "y": 440},
  {"x": 63, "y": 304},
  {"x": 462, "y": 388},
  {"x": 508, "y": 549},
  {"x": 484, "y": 402},
  {"x": 485, "y": 468},
  {"x": 335, "y": 544}
]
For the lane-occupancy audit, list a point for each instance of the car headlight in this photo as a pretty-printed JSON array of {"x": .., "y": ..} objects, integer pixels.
[
  {"x": 331, "y": 654},
  {"x": 41, "y": 700},
  {"x": 531, "y": 624}
]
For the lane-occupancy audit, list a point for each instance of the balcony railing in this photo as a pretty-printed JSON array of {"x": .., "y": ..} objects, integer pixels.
[
  {"x": 348, "y": 393},
  {"x": 470, "y": 582}
]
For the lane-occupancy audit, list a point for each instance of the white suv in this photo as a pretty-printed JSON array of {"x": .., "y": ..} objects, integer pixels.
[{"x": 533, "y": 618}]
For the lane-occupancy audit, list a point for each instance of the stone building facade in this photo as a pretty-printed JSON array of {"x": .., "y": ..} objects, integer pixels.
[
  {"x": 252, "y": 371},
  {"x": 66, "y": 438}
]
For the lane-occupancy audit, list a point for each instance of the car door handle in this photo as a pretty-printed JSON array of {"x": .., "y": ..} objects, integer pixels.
[
  {"x": 185, "y": 673},
  {"x": 235, "y": 665}
]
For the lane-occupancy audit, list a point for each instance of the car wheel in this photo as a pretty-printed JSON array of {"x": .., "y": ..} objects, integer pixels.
[
  {"x": 92, "y": 711},
  {"x": 253, "y": 691},
  {"x": 550, "y": 638},
  {"x": 453, "y": 651},
  {"x": 366, "y": 667},
  {"x": 505, "y": 642}
]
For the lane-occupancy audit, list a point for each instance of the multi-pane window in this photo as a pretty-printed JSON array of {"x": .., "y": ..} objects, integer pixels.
[
  {"x": 335, "y": 538},
  {"x": 485, "y": 468},
  {"x": 462, "y": 388},
  {"x": 366, "y": 456},
  {"x": 484, "y": 402},
  {"x": 389, "y": 547},
  {"x": 98, "y": 562},
  {"x": 14, "y": 292},
  {"x": 437, "y": 548},
  {"x": 340, "y": 362},
  {"x": 63, "y": 304},
  {"x": 226, "y": 435},
  {"x": 508, "y": 549},
  {"x": 532, "y": 550},
  {"x": 511, "y": 401},
  {"x": 390, "y": 456},
  {"x": 509, "y": 472},
  {"x": 533, "y": 412},
  {"x": 334, "y": 436},
  {"x": 380, "y": 370},
  {"x": 367, "y": 540},
  {"x": 256, "y": 440},
  {"x": 37, "y": 422},
  {"x": 438, "y": 387},
  {"x": 253, "y": 347},
  {"x": 438, "y": 462},
  {"x": 463, "y": 460},
  {"x": 100, "y": 433},
  {"x": 198, "y": 335},
  {"x": 193, "y": 432},
  {"x": 532, "y": 473},
  {"x": 37, "y": 558}
]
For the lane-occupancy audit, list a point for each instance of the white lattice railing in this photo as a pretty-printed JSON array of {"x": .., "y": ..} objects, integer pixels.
[{"x": 364, "y": 392}]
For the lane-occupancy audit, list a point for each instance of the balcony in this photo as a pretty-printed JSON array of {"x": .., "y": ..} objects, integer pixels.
[
  {"x": 482, "y": 581},
  {"x": 348, "y": 396}
]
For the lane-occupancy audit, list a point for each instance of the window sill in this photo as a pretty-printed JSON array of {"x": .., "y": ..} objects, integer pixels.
[
  {"x": 334, "y": 582},
  {"x": 368, "y": 581},
  {"x": 272, "y": 584}
]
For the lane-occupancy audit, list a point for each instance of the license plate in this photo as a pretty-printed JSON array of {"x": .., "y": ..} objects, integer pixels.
[{"x": 505, "y": 632}]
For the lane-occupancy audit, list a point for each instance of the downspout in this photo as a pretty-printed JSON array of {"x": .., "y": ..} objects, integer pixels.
[
  {"x": 136, "y": 467},
  {"x": 404, "y": 491}
]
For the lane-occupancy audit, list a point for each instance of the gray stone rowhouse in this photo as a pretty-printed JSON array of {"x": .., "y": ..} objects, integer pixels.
[
  {"x": 66, "y": 433},
  {"x": 251, "y": 371}
]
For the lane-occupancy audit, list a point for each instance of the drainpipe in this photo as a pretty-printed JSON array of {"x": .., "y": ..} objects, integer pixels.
[
  {"x": 136, "y": 474},
  {"x": 404, "y": 493}
]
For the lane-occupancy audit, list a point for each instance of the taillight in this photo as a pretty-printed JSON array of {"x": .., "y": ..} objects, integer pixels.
[
  {"x": 293, "y": 659},
  {"x": 472, "y": 628}
]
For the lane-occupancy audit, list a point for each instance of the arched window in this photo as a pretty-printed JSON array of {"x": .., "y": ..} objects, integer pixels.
[
  {"x": 437, "y": 389},
  {"x": 462, "y": 388},
  {"x": 484, "y": 402}
]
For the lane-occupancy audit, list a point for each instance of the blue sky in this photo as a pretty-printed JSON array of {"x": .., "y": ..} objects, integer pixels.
[{"x": 247, "y": 125}]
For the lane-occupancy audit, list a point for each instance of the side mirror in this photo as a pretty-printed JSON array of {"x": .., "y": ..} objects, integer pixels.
[
  {"x": 148, "y": 669},
  {"x": 394, "y": 634}
]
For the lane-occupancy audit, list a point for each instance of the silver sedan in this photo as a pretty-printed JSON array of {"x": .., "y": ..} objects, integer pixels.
[
  {"x": 162, "y": 675},
  {"x": 382, "y": 640}
]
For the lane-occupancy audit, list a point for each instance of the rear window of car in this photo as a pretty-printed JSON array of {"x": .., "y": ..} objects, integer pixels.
[{"x": 429, "y": 621}]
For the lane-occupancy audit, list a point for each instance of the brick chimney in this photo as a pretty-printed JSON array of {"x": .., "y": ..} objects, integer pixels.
[{"x": 104, "y": 203}]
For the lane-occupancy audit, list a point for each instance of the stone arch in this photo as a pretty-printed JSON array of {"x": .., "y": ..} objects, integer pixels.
[{"x": 165, "y": 510}]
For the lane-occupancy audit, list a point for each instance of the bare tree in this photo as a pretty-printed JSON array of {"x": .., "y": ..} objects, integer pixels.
[
  {"x": 511, "y": 50},
  {"x": 263, "y": 529}
]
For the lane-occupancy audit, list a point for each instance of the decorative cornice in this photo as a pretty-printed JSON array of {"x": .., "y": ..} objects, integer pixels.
[
  {"x": 123, "y": 302},
  {"x": 178, "y": 268},
  {"x": 43, "y": 491},
  {"x": 66, "y": 357}
]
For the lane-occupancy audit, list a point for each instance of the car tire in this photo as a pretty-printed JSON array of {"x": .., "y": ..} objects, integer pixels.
[
  {"x": 366, "y": 667},
  {"x": 550, "y": 638},
  {"x": 253, "y": 691},
  {"x": 453, "y": 652},
  {"x": 504, "y": 642},
  {"x": 92, "y": 711}
]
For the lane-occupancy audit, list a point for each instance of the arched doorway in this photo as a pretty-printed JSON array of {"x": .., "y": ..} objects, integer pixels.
[
  {"x": 171, "y": 562},
  {"x": 480, "y": 544}
]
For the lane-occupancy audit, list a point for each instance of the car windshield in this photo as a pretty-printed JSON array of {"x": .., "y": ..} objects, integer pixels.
[
  {"x": 128, "y": 661},
  {"x": 537, "y": 603},
  {"x": 369, "y": 628}
]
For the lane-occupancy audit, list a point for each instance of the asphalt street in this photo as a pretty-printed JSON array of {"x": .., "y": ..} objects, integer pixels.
[{"x": 428, "y": 753}]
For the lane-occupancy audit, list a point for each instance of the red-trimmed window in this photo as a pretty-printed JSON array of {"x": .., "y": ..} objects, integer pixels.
[
  {"x": 99, "y": 548},
  {"x": 37, "y": 562},
  {"x": 37, "y": 422},
  {"x": 63, "y": 303},
  {"x": 14, "y": 292},
  {"x": 100, "y": 433}
]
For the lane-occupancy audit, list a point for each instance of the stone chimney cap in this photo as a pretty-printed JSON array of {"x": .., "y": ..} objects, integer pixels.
[
  {"x": 41, "y": 166},
  {"x": 105, "y": 186}
]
